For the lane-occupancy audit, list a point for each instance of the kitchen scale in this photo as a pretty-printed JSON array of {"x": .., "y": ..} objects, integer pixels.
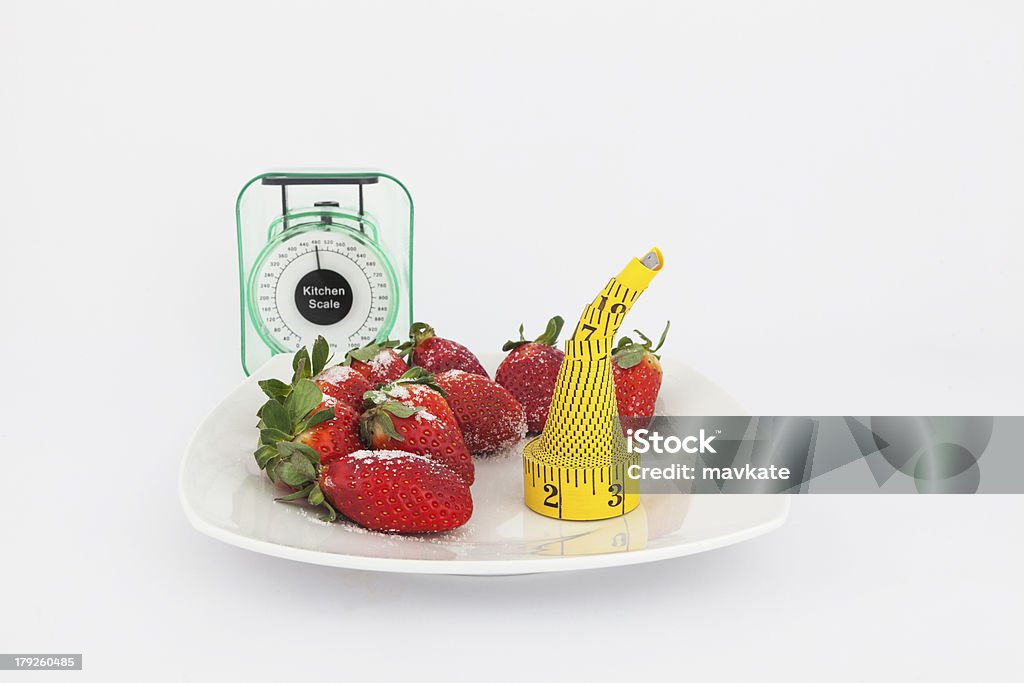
[{"x": 322, "y": 253}]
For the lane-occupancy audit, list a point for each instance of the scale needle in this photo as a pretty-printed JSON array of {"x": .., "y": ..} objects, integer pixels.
[{"x": 317, "y": 250}]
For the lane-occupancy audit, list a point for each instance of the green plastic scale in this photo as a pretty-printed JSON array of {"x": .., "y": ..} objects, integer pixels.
[{"x": 322, "y": 253}]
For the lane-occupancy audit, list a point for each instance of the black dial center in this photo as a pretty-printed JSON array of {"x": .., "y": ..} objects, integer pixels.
[{"x": 323, "y": 297}]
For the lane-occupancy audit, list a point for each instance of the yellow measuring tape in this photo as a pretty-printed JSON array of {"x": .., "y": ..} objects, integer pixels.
[{"x": 576, "y": 469}]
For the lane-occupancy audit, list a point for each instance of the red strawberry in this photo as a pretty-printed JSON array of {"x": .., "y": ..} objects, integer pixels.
[
  {"x": 411, "y": 415},
  {"x": 335, "y": 437},
  {"x": 299, "y": 419},
  {"x": 637, "y": 373},
  {"x": 344, "y": 384},
  {"x": 437, "y": 354},
  {"x": 530, "y": 370},
  {"x": 489, "y": 416},
  {"x": 395, "y": 491},
  {"x": 378, "y": 362}
]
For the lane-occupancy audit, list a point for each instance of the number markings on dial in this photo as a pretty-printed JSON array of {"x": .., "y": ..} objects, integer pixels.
[{"x": 369, "y": 280}]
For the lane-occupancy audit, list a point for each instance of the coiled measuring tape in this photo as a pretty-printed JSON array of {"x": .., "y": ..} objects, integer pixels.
[{"x": 576, "y": 469}]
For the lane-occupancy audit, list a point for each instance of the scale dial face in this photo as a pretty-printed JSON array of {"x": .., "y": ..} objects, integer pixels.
[{"x": 322, "y": 280}]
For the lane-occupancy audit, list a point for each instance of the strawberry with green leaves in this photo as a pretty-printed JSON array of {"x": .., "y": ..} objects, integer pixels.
[
  {"x": 339, "y": 382},
  {"x": 636, "y": 370},
  {"x": 437, "y": 354},
  {"x": 378, "y": 362},
  {"x": 411, "y": 415},
  {"x": 529, "y": 372},
  {"x": 388, "y": 490},
  {"x": 297, "y": 413}
]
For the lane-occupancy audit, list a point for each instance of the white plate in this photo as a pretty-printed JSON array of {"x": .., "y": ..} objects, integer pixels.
[{"x": 225, "y": 496}]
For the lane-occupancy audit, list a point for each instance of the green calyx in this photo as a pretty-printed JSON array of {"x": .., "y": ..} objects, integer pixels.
[
  {"x": 284, "y": 419},
  {"x": 369, "y": 352},
  {"x": 379, "y": 418},
  {"x": 293, "y": 408},
  {"x": 280, "y": 425},
  {"x": 381, "y": 406},
  {"x": 414, "y": 375},
  {"x": 299, "y": 466},
  {"x": 548, "y": 338},
  {"x": 628, "y": 353},
  {"x": 305, "y": 365},
  {"x": 290, "y": 410},
  {"x": 418, "y": 333}
]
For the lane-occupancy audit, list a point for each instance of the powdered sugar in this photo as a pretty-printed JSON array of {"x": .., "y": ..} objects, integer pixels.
[
  {"x": 382, "y": 361},
  {"x": 385, "y": 454},
  {"x": 417, "y": 391},
  {"x": 412, "y": 392},
  {"x": 513, "y": 451},
  {"x": 336, "y": 374},
  {"x": 388, "y": 458},
  {"x": 395, "y": 539},
  {"x": 397, "y": 391},
  {"x": 390, "y": 538}
]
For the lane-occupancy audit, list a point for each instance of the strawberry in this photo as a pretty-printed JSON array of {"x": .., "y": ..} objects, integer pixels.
[
  {"x": 383, "y": 490},
  {"x": 411, "y": 415},
  {"x": 397, "y": 491},
  {"x": 637, "y": 373},
  {"x": 437, "y": 354},
  {"x": 335, "y": 437},
  {"x": 344, "y": 384},
  {"x": 529, "y": 372},
  {"x": 488, "y": 415},
  {"x": 378, "y": 362},
  {"x": 299, "y": 415}
]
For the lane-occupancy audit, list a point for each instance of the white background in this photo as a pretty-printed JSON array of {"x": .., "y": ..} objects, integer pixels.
[{"x": 836, "y": 187}]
